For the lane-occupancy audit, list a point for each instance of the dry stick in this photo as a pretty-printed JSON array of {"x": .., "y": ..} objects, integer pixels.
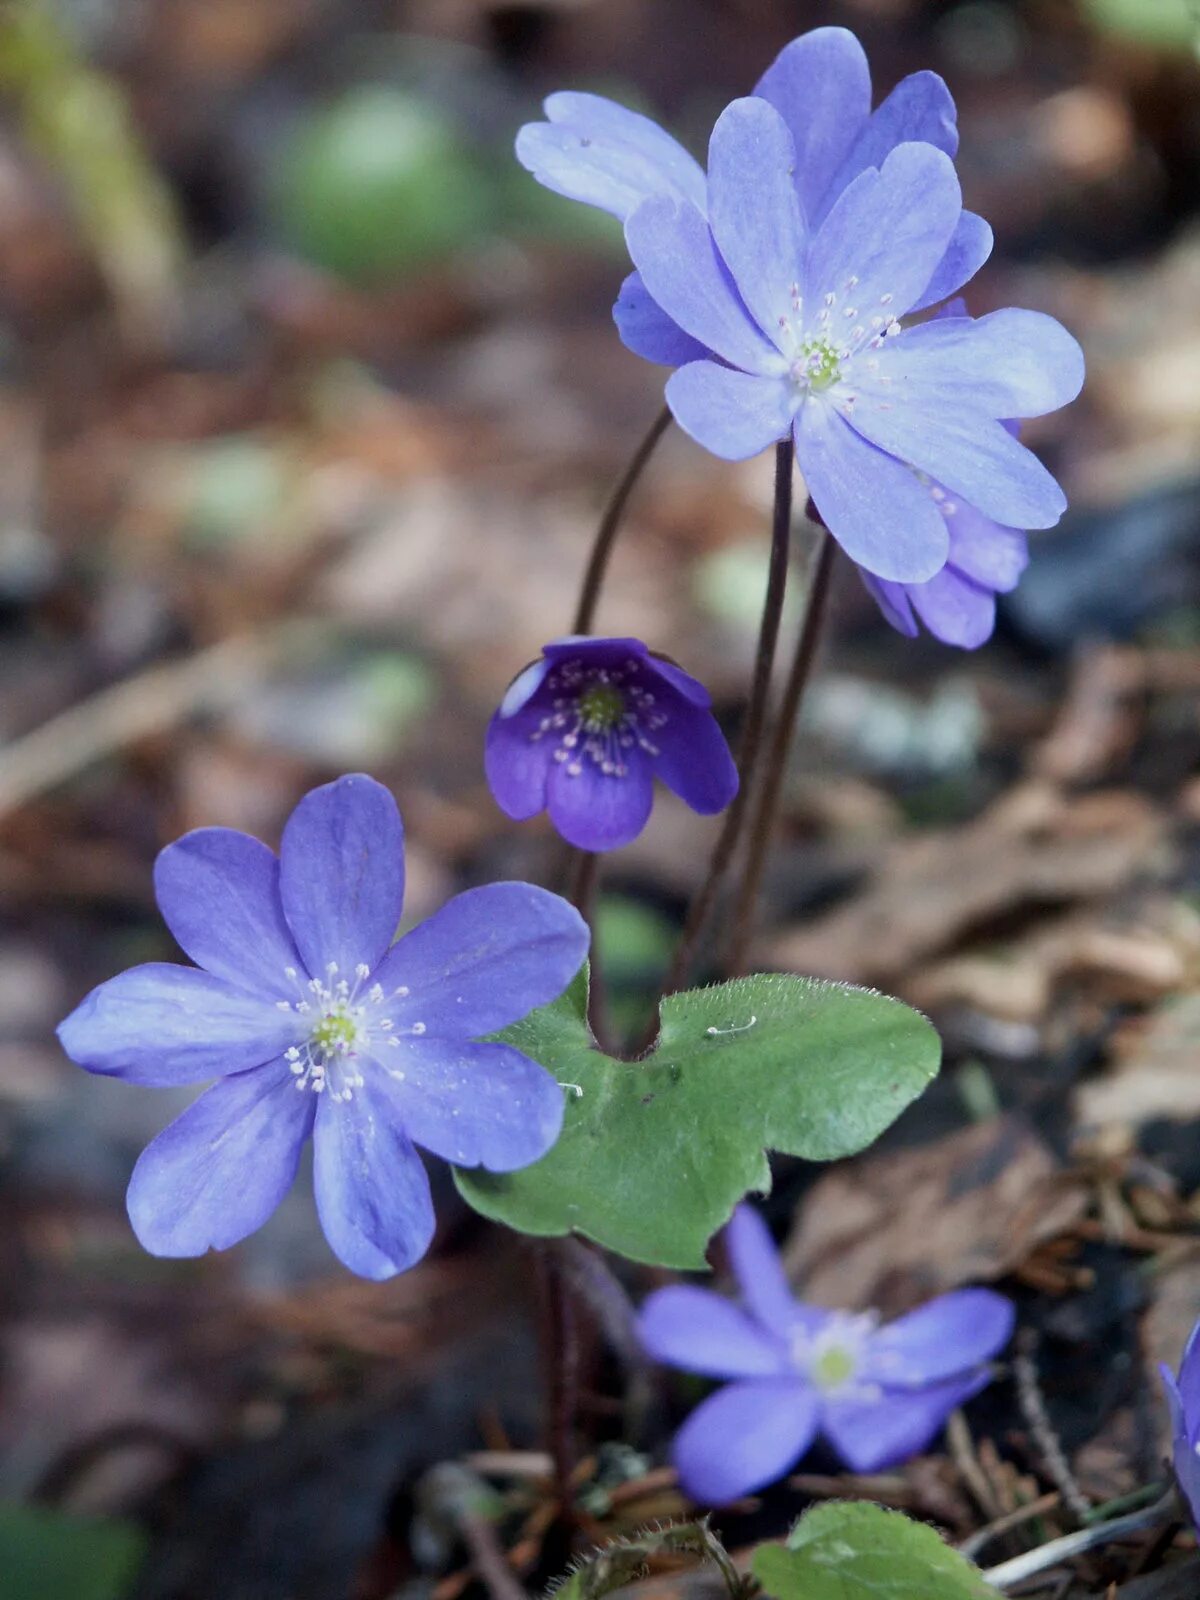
[
  {"x": 1009, "y": 1573},
  {"x": 610, "y": 523},
  {"x": 756, "y": 712},
  {"x": 766, "y": 807}
]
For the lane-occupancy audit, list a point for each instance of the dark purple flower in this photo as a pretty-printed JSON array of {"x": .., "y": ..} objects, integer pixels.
[
  {"x": 1183, "y": 1397},
  {"x": 877, "y": 1394},
  {"x": 583, "y": 732},
  {"x": 315, "y": 1023}
]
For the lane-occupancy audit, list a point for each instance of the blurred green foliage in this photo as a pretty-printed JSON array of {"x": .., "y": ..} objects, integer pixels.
[
  {"x": 1168, "y": 24},
  {"x": 45, "y": 1555}
]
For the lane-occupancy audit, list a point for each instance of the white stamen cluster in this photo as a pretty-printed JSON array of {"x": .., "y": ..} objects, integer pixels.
[
  {"x": 832, "y": 1358},
  {"x": 823, "y": 355},
  {"x": 342, "y": 1020},
  {"x": 599, "y": 714}
]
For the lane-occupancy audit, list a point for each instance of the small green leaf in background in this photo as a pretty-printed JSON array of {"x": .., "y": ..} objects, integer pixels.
[
  {"x": 1164, "y": 24},
  {"x": 851, "y": 1550},
  {"x": 45, "y": 1555},
  {"x": 654, "y": 1155}
]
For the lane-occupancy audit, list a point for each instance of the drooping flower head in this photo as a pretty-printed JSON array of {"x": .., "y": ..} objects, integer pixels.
[
  {"x": 583, "y": 732},
  {"x": 316, "y": 1024},
  {"x": 877, "y": 1393},
  {"x": 1183, "y": 1398}
]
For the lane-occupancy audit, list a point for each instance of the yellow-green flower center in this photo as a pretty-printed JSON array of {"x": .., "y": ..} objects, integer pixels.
[
  {"x": 334, "y": 1033},
  {"x": 833, "y": 1367},
  {"x": 601, "y": 708},
  {"x": 818, "y": 365}
]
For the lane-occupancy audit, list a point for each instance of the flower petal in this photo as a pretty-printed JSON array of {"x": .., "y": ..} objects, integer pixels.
[
  {"x": 1011, "y": 363},
  {"x": 821, "y": 86},
  {"x": 969, "y": 452},
  {"x": 517, "y": 762},
  {"x": 954, "y": 609},
  {"x": 682, "y": 271},
  {"x": 744, "y": 1437},
  {"x": 692, "y": 690},
  {"x": 698, "y": 1331},
  {"x": 342, "y": 874},
  {"x": 892, "y": 600},
  {"x": 694, "y": 760},
  {"x": 871, "y": 1435},
  {"x": 1189, "y": 1382},
  {"x": 969, "y": 247},
  {"x": 754, "y": 212},
  {"x": 920, "y": 109},
  {"x": 734, "y": 414},
  {"x": 478, "y": 1105},
  {"x": 371, "y": 1188},
  {"x": 219, "y": 1170},
  {"x": 878, "y": 247},
  {"x": 647, "y": 330},
  {"x": 594, "y": 810},
  {"x": 597, "y": 151},
  {"x": 759, "y": 1272},
  {"x": 218, "y": 890},
  {"x": 878, "y": 511},
  {"x": 487, "y": 958},
  {"x": 990, "y": 554},
  {"x": 951, "y": 1334},
  {"x": 164, "y": 1025}
]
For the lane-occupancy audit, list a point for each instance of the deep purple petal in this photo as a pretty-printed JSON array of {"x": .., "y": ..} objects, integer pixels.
[
  {"x": 694, "y": 760},
  {"x": 599, "y": 811},
  {"x": 759, "y": 1272},
  {"x": 892, "y": 600},
  {"x": 969, "y": 247},
  {"x": 955, "y": 609},
  {"x": 754, "y": 212},
  {"x": 597, "y": 151},
  {"x": 821, "y": 86},
  {"x": 744, "y": 1437},
  {"x": 647, "y": 330},
  {"x": 478, "y": 1105},
  {"x": 488, "y": 957},
  {"x": 877, "y": 510},
  {"x": 219, "y": 893},
  {"x": 682, "y": 682},
  {"x": 991, "y": 555},
  {"x": 1179, "y": 1427},
  {"x": 219, "y": 1170},
  {"x": 969, "y": 452},
  {"x": 884, "y": 236},
  {"x": 371, "y": 1188},
  {"x": 524, "y": 686},
  {"x": 1011, "y": 363},
  {"x": 342, "y": 874},
  {"x": 919, "y": 110},
  {"x": 516, "y": 761},
  {"x": 734, "y": 414},
  {"x": 940, "y": 1340},
  {"x": 1189, "y": 1382},
  {"x": 164, "y": 1025},
  {"x": 679, "y": 265},
  {"x": 698, "y": 1331},
  {"x": 1185, "y": 1429},
  {"x": 871, "y": 1435}
]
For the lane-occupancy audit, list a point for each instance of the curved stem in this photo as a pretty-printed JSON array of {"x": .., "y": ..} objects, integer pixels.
[
  {"x": 585, "y": 879},
  {"x": 1009, "y": 1573},
  {"x": 766, "y": 806},
  {"x": 756, "y": 711},
  {"x": 610, "y": 523}
]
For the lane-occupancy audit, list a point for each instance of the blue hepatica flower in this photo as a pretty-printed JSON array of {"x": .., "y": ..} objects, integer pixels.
[
  {"x": 315, "y": 1023},
  {"x": 596, "y": 151},
  {"x": 583, "y": 732},
  {"x": 877, "y": 1393},
  {"x": 1183, "y": 1397}
]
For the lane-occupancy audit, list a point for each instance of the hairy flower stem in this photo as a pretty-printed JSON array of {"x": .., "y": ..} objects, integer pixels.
[
  {"x": 610, "y": 524},
  {"x": 766, "y": 804},
  {"x": 561, "y": 1344},
  {"x": 1009, "y": 1573},
  {"x": 748, "y": 753}
]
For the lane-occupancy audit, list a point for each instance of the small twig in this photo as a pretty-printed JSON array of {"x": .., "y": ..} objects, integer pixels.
[
  {"x": 610, "y": 523},
  {"x": 598, "y": 1287},
  {"x": 1009, "y": 1573},
  {"x": 1033, "y": 1409},
  {"x": 963, "y": 1454},
  {"x": 1013, "y": 1519},
  {"x": 488, "y": 1558}
]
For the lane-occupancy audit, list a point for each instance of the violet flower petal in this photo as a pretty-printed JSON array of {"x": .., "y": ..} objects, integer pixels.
[
  {"x": 218, "y": 891},
  {"x": 164, "y": 1025},
  {"x": 919, "y": 110},
  {"x": 1189, "y": 1382},
  {"x": 342, "y": 874},
  {"x": 892, "y": 599},
  {"x": 941, "y": 1339},
  {"x": 969, "y": 248},
  {"x": 516, "y": 763},
  {"x": 743, "y": 1437},
  {"x": 760, "y": 1277},
  {"x": 955, "y": 609},
  {"x": 991, "y": 555},
  {"x": 595, "y": 812},
  {"x": 221, "y": 1168},
  {"x": 734, "y": 414},
  {"x": 698, "y": 1331},
  {"x": 879, "y": 511},
  {"x": 371, "y": 1188},
  {"x": 1011, "y": 363},
  {"x": 647, "y": 330},
  {"x": 694, "y": 759},
  {"x": 821, "y": 86},
  {"x": 682, "y": 271},
  {"x": 872, "y": 1435}
]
